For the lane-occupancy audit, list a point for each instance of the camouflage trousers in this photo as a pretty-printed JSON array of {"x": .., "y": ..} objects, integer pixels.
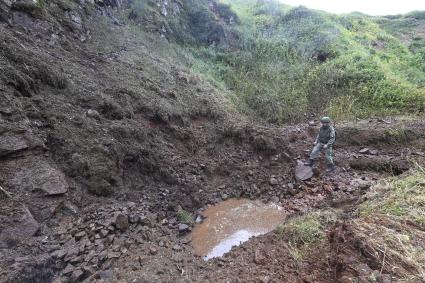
[{"x": 316, "y": 151}]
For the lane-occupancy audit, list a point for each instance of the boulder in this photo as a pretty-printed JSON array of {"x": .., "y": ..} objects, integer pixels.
[{"x": 303, "y": 172}]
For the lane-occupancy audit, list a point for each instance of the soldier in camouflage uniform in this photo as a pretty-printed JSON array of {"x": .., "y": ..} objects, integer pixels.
[{"x": 325, "y": 139}]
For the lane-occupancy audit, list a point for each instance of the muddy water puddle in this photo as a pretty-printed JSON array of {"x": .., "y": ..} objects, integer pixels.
[{"x": 233, "y": 222}]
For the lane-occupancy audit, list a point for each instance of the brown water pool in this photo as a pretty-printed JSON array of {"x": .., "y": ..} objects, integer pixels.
[{"x": 233, "y": 222}]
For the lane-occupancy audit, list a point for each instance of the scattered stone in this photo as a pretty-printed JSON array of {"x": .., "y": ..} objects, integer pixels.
[
  {"x": 133, "y": 219},
  {"x": 199, "y": 219},
  {"x": 68, "y": 269},
  {"x": 93, "y": 114},
  {"x": 153, "y": 251},
  {"x": 121, "y": 222},
  {"x": 365, "y": 150},
  {"x": 79, "y": 235},
  {"x": 143, "y": 260},
  {"x": 273, "y": 181},
  {"x": 183, "y": 228},
  {"x": 105, "y": 274},
  {"x": 103, "y": 233},
  {"x": 259, "y": 258},
  {"x": 77, "y": 275},
  {"x": 303, "y": 172},
  {"x": 312, "y": 123},
  {"x": 177, "y": 248},
  {"x": 113, "y": 255}
]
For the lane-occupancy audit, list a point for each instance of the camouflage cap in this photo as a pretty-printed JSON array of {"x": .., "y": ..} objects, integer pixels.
[{"x": 325, "y": 120}]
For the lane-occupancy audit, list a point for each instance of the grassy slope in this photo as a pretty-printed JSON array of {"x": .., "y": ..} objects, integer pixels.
[{"x": 281, "y": 63}]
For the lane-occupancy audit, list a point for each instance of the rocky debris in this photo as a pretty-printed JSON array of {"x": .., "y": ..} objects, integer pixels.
[
  {"x": 177, "y": 248},
  {"x": 183, "y": 228},
  {"x": 121, "y": 222},
  {"x": 302, "y": 172},
  {"x": 153, "y": 250},
  {"x": 259, "y": 258},
  {"x": 11, "y": 143},
  {"x": 105, "y": 274},
  {"x": 34, "y": 173},
  {"x": 25, "y": 228},
  {"x": 93, "y": 114},
  {"x": 367, "y": 150},
  {"x": 273, "y": 181}
]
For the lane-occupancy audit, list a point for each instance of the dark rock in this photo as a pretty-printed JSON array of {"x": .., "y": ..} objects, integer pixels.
[
  {"x": 103, "y": 233},
  {"x": 133, "y": 219},
  {"x": 68, "y": 269},
  {"x": 79, "y": 235},
  {"x": 59, "y": 254},
  {"x": 121, "y": 222},
  {"x": 303, "y": 172},
  {"x": 77, "y": 275}
]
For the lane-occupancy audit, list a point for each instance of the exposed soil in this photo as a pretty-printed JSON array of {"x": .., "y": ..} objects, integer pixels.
[{"x": 102, "y": 143}]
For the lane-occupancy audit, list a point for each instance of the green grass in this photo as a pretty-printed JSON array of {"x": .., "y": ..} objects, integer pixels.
[
  {"x": 304, "y": 232},
  {"x": 280, "y": 64},
  {"x": 402, "y": 198},
  {"x": 184, "y": 217}
]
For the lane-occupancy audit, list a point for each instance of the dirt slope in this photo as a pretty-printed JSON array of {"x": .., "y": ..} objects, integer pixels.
[{"x": 103, "y": 144}]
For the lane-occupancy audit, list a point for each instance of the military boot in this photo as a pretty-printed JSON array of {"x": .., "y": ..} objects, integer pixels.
[
  {"x": 330, "y": 167},
  {"x": 309, "y": 162}
]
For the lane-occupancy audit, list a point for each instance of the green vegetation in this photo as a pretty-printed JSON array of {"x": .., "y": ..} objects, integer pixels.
[
  {"x": 403, "y": 199},
  {"x": 392, "y": 223},
  {"x": 303, "y": 232},
  {"x": 184, "y": 217},
  {"x": 282, "y": 63}
]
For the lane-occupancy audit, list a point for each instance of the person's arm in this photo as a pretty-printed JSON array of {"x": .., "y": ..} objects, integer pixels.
[{"x": 332, "y": 137}]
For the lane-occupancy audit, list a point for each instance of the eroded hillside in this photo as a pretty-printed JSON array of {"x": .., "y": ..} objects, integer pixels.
[{"x": 116, "y": 131}]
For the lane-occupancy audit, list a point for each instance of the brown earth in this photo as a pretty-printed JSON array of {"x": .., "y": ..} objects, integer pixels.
[{"x": 103, "y": 142}]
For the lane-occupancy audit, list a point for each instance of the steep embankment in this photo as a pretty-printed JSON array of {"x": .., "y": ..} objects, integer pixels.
[{"x": 109, "y": 141}]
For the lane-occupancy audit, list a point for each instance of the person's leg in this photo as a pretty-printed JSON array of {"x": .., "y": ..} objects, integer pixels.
[
  {"x": 316, "y": 151},
  {"x": 329, "y": 158}
]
